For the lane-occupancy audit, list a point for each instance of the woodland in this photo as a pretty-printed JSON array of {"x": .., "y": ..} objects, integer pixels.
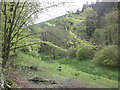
[{"x": 76, "y": 50}]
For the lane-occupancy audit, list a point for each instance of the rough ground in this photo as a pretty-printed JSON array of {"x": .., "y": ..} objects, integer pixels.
[{"x": 18, "y": 78}]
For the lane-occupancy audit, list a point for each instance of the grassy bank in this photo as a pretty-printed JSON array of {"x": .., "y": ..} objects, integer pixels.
[{"x": 84, "y": 71}]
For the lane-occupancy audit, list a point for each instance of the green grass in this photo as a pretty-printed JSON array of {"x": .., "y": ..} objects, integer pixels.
[
  {"x": 90, "y": 66},
  {"x": 67, "y": 71}
]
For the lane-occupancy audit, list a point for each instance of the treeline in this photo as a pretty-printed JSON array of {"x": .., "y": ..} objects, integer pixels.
[
  {"x": 102, "y": 30},
  {"x": 101, "y": 21},
  {"x": 107, "y": 16}
]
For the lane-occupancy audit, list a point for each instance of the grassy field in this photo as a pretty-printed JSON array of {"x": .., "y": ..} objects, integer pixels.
[{"x": 84, "y": 71}]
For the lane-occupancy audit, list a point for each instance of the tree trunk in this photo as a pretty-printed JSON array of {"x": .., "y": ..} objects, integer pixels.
[
  {"x": 7, "y": 33},
  {"x": 106, "y": 38},
  {"x": 53, "y": 52}
]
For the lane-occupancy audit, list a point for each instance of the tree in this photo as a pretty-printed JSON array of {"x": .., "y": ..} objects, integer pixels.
[
  {"x": 16, "y": 16},
  {"x": 108, "y": 35},
  {"x": 111, "y": 26},
  {"x": 90, "y": 20}
]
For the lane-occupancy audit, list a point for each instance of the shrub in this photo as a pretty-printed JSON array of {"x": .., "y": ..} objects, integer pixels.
[
  {"x": 72, "y": 53},
  {"x": 26, "y": 49},
  {"x": 34, "y": 54},
  {"x": 84, "y": 53},
  {"x": 46, "y": 57},
  {"x": 107, "y": 56}
]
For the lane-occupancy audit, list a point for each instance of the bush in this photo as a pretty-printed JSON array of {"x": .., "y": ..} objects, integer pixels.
[
  {"x": 26, "y": 49},
  {"x": 72, "y": 53},
  {"x": 107, "y": 56},
  {"x": 34, "y": 54},
  {"x": 84, "y": 53},
  {"x": 46, "y": 57}
]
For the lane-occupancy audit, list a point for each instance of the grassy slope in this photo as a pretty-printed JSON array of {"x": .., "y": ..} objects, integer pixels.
[
  {"x": 90, "y": 66},
  {"x": 67, "y": 72}
]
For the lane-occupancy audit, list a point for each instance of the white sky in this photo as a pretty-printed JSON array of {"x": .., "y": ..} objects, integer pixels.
[{"x": 60, "y": 10}]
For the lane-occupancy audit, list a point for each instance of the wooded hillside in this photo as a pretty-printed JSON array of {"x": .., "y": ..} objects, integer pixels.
[{"x": 81, "y": 47}]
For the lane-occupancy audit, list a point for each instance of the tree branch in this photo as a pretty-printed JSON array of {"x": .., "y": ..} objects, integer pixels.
[
  {"x": 14, "y": 14},
  {"x": 39, "y": 33},
  {"x": 24, "y": 46},
  {"x": 19, "y": 16}
]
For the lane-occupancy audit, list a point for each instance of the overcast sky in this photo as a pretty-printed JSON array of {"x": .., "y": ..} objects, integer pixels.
[{"x": 60, "y": 10}]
